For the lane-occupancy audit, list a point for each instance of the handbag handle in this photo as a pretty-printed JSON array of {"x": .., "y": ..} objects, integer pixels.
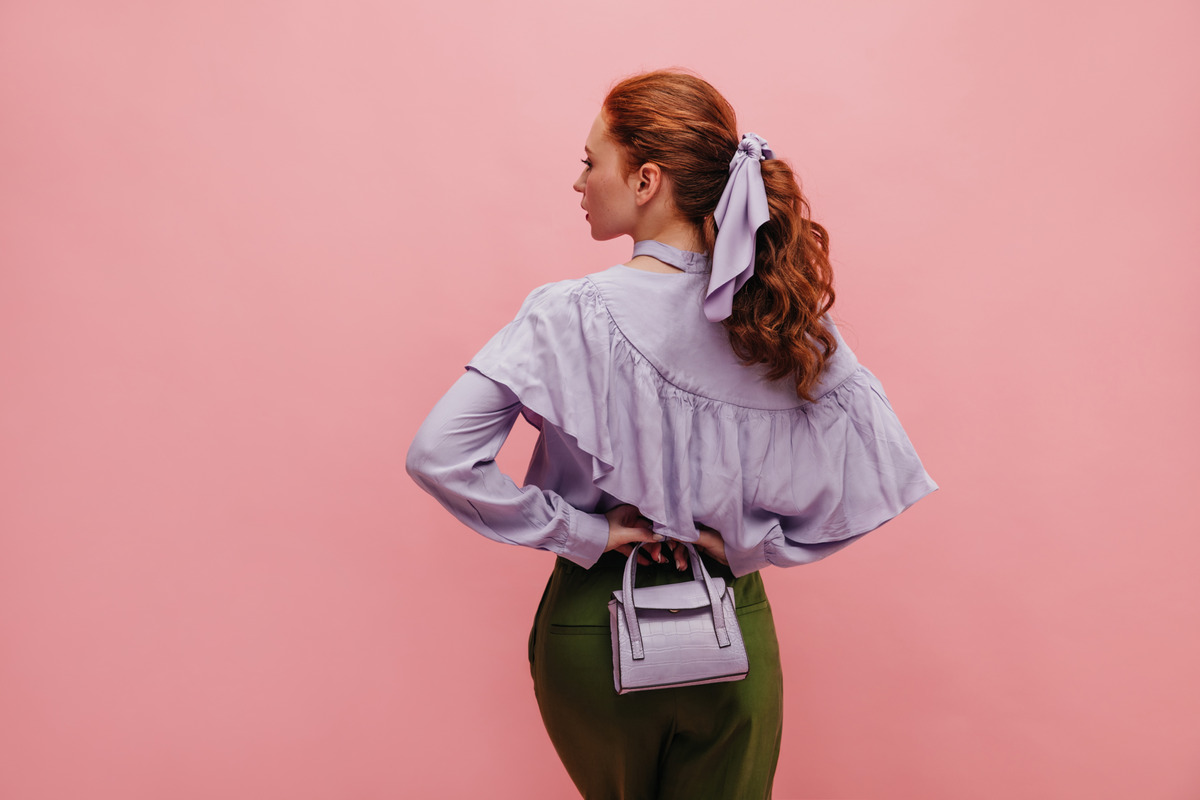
[{"x": 699, "y": 573}]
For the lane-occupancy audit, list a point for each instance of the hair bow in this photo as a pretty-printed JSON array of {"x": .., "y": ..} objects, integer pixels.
[{"x": 740, "y": 212}]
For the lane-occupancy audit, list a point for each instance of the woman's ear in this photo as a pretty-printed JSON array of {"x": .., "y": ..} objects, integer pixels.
[{"x": 648, "y": 182}]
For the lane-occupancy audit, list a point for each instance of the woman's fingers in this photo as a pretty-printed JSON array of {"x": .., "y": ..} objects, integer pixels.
[
  {"x": 655, "y": 551},
  {"x": 627, "y": 550},
  {"x": 681, "y": 556},
  {"x": 626, "y": 525}
]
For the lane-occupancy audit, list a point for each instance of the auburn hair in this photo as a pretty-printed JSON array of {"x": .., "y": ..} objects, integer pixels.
[{"x": 681, "y": 123}]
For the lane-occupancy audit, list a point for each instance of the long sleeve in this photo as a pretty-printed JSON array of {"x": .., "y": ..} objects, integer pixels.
[
  {"x": 774, "y": 548},
  {"x": 453, "y": 458}
]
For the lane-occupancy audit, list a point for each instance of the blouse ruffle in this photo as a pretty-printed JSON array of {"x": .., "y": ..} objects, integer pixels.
[{"x": 817, "y": 473}]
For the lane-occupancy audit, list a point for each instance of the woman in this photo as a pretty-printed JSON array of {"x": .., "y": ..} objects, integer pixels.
[{"x": 676, "y": 402}]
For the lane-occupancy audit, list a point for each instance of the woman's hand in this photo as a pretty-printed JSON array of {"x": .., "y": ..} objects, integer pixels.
[
  {"x": 711, "y": 544},
  {"x": 627, "y": 527}
]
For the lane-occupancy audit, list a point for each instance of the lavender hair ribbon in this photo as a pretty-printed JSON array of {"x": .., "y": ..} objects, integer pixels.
[{"x": 740, "y": 212}]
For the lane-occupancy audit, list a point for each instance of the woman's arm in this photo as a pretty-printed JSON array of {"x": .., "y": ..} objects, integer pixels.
[
  {"x": 776, "y": 549},
  {"x": 453, "y": 458}
]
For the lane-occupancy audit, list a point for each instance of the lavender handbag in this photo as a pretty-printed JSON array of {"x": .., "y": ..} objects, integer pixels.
[{"x": 678, "y": 634}]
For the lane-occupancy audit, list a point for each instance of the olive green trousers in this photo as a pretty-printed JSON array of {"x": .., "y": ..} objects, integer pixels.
[{"x": 717, "y": 740}]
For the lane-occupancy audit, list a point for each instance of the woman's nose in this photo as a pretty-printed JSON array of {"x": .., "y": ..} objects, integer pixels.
[{"x": 579, "y": 184}]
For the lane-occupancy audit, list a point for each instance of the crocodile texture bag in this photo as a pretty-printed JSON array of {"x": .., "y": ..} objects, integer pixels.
[{"x": 678, "y": 634}]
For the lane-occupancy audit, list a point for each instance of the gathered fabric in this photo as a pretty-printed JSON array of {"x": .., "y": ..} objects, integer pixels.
[{"x": 663, "y": 415}]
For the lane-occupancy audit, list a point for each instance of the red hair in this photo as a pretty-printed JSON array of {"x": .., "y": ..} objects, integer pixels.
[{"x": 681, "y": 123}]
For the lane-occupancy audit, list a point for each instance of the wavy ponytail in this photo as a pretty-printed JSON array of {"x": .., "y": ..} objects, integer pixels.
[
  {"x": 680, "y": 122},
  {"x": 777, "y": 316}
]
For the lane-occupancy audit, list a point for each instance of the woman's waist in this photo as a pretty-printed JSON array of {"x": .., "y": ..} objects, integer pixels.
[{"x": 578, "y": 596}]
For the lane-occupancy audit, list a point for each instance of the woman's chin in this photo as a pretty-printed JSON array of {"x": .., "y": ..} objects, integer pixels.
[{"x": 605, "y": 236}]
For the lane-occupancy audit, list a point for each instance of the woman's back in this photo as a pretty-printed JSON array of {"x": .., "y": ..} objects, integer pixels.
[
  {"x": 641, "y": 400},
  {"x": 661, "y": 315}
]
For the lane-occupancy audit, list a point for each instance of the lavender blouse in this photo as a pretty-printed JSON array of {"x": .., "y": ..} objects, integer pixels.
[{"x": 640, "y": 399}]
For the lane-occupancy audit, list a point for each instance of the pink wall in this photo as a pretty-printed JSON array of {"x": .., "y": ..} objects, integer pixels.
[{"x": 244, "y": 246}]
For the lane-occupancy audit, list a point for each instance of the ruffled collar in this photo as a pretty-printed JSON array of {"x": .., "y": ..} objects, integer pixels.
[{"x": 685, "y": 260}]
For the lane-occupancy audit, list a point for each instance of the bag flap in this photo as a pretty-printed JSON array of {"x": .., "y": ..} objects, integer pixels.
[{"x": 689, "y": 594}]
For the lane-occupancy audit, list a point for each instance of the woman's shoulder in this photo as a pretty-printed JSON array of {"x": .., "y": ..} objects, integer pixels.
[
  {"x": 661, "y": 316},
  {"x": 616, "y": 280},
  {"x": 554, "y": 293},
  {"x": 607, "y": 295}
]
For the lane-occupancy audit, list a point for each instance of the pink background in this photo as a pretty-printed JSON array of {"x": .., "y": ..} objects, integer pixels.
[{"x": 244, "y": 246}]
